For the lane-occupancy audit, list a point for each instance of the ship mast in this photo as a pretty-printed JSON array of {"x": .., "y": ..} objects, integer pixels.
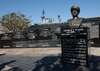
[{"x": 43, "y": 15}]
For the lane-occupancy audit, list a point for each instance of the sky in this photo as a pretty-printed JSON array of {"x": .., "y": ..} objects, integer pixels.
[{"x": 53, "y": 8}]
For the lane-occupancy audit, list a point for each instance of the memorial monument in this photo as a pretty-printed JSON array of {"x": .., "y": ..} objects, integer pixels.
[{"x": 74, "y": 40}]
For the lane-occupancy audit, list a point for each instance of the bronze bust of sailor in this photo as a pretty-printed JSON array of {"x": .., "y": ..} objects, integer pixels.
[{"x": 75, "y": 21}]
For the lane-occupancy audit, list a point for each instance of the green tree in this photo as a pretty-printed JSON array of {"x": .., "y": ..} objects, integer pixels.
[{"x": 15, "y": 22}]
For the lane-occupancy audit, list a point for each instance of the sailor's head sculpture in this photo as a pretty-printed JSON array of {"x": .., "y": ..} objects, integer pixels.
[
  {"x": 75, "y": 21},
  {"x": 75, "y": 10}
]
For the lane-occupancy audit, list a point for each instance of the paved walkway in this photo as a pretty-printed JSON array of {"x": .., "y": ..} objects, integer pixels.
[
  {"x": 21, "y": 51},
  {"x": 42, "y": 59},
  {"x": 52, "y": 50}
]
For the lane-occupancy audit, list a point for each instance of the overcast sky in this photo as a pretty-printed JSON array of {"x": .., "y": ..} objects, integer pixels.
[{"x": 53, "y": 8}]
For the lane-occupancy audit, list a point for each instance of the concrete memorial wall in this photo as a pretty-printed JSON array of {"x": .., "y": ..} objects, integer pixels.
[
  {"x": 43, "y": 37},
  {"x": 95, "y": 34}
]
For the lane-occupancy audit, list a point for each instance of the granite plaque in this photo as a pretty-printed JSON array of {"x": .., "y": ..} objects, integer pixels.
[
  {"x": 32, "y": 35},
  {"x": 6, "y": 40},
  {"x": 19, "y": 36},
  {"x": 74, "y": 42},
  {"x": 44, "y": 34},
  {"x": 94, "y": 33},
  {"x": 56, "y": 33}
]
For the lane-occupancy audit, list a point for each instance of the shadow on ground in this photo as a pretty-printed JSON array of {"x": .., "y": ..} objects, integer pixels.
[
  {"x": 54, "y": 63},
  {"x": 49, "y": 63},
  {"x": 2, "y": 54},
  {"x": 2, "y": 66}
]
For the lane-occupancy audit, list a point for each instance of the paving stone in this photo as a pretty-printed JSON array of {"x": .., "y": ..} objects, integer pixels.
[{"x": 45, "y": 63}]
